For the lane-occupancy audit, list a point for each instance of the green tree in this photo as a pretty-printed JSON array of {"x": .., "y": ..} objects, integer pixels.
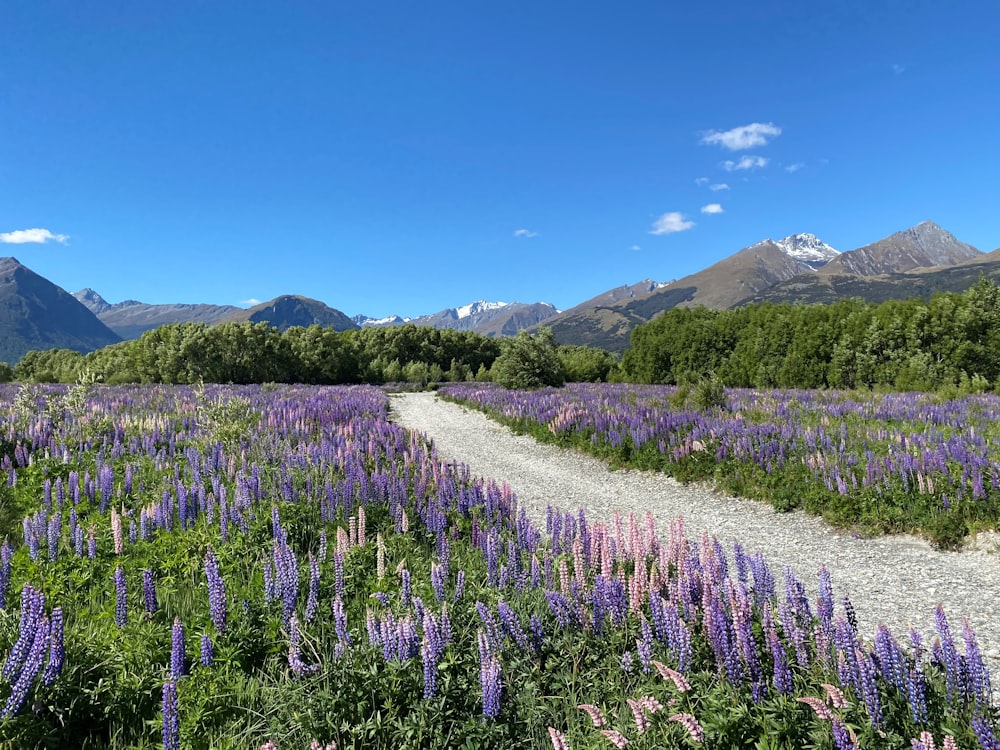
[{"x": 529, "y": 361}]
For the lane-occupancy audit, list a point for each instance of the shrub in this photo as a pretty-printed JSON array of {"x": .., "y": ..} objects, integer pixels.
[{"x": 529, "y": 361}]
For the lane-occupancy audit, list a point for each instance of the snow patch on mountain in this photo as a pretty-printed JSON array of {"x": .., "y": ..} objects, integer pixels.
[
  {"x": 477, "y": 307},
  {"x": 807, "y": 248}
]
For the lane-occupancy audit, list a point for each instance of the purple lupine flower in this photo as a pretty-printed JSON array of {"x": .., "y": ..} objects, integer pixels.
[
  {"x": 177, "y": 650},
  {"x": 626, "y": 662},
  {"x": 312, "y": 599},
  {"x": 216, "y": 591},
  {"x": 340, "y": 622},
  {"x": 842, "y": 736},
  {"x": 916, "y": 694},
  {"x": 270, "y": 588},
  {"x": 121, "y": 608},
  {"x": 437, "y": 581},
  {"x": 976, "y": 669},
  {"x": 57, "y": 649},
  {"x": 171, "y": 719},
  {"x": 406, "y": 587},
  {"x": 294, "y": 650},
  {"x": 512, "y": 625},
  {"x": 956, "y": 683},
  {"x": 984, "y": 733},
  {"x": 644, "y": 645},
  {"x": 21, "y": 682},
  {"x": 5, "y": 554},
  {"x": 54, "y": 531},
  {"x": 91, "y": 543},
  {"x": 459, "y": 585},
  {"x": 430, "y": 662},
  {"x": 489, "y": 678},
  {"x": 869, "y": 688},
  {"x": 133, "y": 533},
  {"x": 207, "y": 650},
  {"x": 537, "y": 632},
  {"x": 149, "y": 592}
]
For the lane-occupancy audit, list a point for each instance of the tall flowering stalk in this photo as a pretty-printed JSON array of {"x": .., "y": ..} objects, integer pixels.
[
  {"x": 171, "y": 718},
  {"x": 149, "y": 592},
  {"x": 177, "y": 650},
  {"x": 216, "y": 592},
  {"x": 121, "y": 606}
]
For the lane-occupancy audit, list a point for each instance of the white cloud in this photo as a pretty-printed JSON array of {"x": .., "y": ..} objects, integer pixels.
[
  {"x": 671, "y": 222},
  {"x": 712, "y": 208},
  {"x": 250, "y": 302},
  {"x": 794, "y": 167},
  {"x": 525, "y": 233},
  {"x": 34, "y": 236},
  {"x": 897, "y": 68},
  {"x": 743, "y": 137},
  {"x": 701, "y": 181},
  {"x": 745, "y": 162},
  {"x": 635, "y": 247},
  {"x": 718, "y": 186}
]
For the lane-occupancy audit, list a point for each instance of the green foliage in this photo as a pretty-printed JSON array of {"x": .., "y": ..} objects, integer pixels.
[
  {"x": 243, "y": 353},
  {"x": 586, "y": 364},
  {"x": 529, "y": 361},
  {"x": 950, "y": 340}
]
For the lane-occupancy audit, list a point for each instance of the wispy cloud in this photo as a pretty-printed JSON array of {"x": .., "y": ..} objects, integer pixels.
[
  {"x": 745, "y": 162},
  {"x": 897, "y": 68},
  {"x": 250, "y": 302},
  {"x": 701, "y": 181},
  {"x": 32, "y": 236},
  {"x": 635, "y": 247},
  {"x": 794, "y": 167},
  {"x": 718, "y": 186},
  {"x": 712, "y": 208},
  {"x": 525, "y": 233},
  {"x": 671, "y": 222},
  {"x": 744, "y": 137}
]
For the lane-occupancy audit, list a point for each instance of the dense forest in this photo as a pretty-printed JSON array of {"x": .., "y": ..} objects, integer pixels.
[
  {"x": 951, "y": 340},
  {"x": 245, "y": 353}
]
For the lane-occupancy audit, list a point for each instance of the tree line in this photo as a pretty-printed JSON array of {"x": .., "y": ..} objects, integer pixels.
[
  {"x": 259, "y": 353},
  {"x": 949, "y": 340}
]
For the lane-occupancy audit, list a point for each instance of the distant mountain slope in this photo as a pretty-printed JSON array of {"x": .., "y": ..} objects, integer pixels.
[
  {"x": 917, "y": 283},
  {"x": 486, "y": 318},
  {"x": 915, "y": 262},
  {"x": 37, "y": 314},
  {"x": 130, "y": 318},
  {"x": 291, "y": 310},
  {"x": 924, "y": 246}
]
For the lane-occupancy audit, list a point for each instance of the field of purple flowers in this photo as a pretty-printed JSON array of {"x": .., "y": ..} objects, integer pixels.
[
  {"x": 900, "y": 462},
  {"x": 282, "y": 567}
]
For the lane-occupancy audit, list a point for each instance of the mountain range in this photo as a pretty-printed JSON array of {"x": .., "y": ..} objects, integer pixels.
[{"x": 922, "y": 260}]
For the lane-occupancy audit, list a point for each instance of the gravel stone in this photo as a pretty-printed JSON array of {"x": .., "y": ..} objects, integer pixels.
[{"x": 897, "y": 580}]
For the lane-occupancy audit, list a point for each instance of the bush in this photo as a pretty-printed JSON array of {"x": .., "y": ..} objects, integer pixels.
[{"x": 529, "y": 361}]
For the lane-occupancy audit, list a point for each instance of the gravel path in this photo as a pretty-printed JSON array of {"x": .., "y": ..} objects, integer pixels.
[{"x": 896, "y": 580}]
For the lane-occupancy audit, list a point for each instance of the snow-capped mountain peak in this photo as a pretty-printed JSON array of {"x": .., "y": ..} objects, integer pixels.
[
  {"x": 477, "y": 307},
  {"x": 807, "y": 248}
]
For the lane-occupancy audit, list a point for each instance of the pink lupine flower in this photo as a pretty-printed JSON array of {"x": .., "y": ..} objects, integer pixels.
[
  {"x": 949, "y": 743},
  {"x": 595, "y": 714},
  {"x": 691, "y": 724},
  {"x": 558, "y": 740},
  {"x": 817, "y": 705},
  {"x": 615, "y": 738},
  {"x": 674, "y": 676},
  {"x": 834, "y": 695},
  {"x": 641, "y": 722},
  {"x": 650, "y": 703}
]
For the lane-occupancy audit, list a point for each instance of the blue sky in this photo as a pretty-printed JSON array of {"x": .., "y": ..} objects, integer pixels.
[{"x": 402, "y": 157}]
